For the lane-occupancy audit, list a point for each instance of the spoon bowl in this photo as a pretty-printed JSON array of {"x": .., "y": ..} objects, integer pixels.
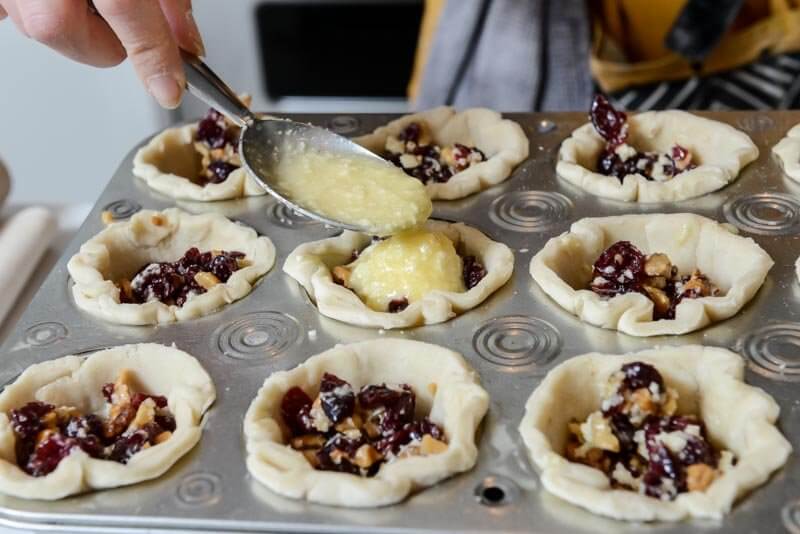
[{"x": 264, "y": 141}]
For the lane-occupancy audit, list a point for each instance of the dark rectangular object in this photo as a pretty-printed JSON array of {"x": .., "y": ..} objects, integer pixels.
[
  {"x": 338, "y": 49},
  {"x": 700, "y": 27}
]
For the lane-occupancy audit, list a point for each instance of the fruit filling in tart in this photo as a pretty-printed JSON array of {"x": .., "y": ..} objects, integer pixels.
[
  {"x": 216, "y": 141},
  {"x": 173, "y": 283},
  {"x": 394, "y": 272},
  {"x": 640, "y": 443},
  {"x": 413, "y": 151},
  {"x": 623, "y": 268},
  {"x": 355, "y": 432},
  {"x": 620, "y": 159},
  {"x": 132, "y": 421}
]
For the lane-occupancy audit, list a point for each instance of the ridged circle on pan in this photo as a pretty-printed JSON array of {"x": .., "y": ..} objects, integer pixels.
[
  {"x": 288, "y": 218},
  {"x": 773, "y": 351},
  {"x": 764, "y": 213},
  {"x": 200, "y": 489},
  {"x": 518, "y": 343},
  {"x": 42, "y": 334},
  {"x": 122, "y": 209},
  {"x": 344, "y": 124},
  {"x": 756, "y": 123},
  {"x": 258, "y": 336},
  {"x": 530, "y": 211}
]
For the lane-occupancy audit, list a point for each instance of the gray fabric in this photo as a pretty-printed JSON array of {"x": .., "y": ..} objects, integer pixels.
[{"x": 504, "y": 71}]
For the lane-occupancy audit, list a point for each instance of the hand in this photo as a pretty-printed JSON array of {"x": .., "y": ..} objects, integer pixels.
[{"x": 147, "y": 31}]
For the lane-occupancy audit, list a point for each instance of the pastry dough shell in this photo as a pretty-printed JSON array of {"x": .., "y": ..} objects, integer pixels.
[
  {"x": 124, "y": 247},
  {"x": 709, "y": 380},
  {"x": 721, "y": 150},
  {"x": 311, "y": 264},
  {"x": 77, "y": 381},
  {"x": 788, "y": 152},
  {"x": 169, "y": 162},
  {"x": 458, "y": 405},
  {"x": 502, "y": 141},
  {"x": 735, "y": 264}
]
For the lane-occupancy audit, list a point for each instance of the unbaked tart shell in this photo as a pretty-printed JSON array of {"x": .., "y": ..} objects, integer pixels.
[{"x": 456, "y": 402}]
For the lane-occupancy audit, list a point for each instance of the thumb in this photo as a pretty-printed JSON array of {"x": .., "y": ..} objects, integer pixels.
[{"x": 142, "y": 28}]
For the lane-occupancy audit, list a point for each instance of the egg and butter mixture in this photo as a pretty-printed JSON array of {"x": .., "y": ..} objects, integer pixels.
[
  {"x": 393, "y": 273},
  {"x": 357, "y": 190}
]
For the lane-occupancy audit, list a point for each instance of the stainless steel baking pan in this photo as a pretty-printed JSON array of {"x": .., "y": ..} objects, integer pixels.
[{"x": 512, "y": 340}]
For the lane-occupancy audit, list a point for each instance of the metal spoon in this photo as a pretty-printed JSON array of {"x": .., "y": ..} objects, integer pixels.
[{"x": 263, "y": 141}]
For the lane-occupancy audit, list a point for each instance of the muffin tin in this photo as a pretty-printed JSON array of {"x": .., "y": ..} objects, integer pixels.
[{"x": 512, "y": 340}]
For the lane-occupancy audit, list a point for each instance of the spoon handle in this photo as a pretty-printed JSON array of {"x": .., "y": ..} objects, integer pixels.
[{"x": 208, "y": 87}]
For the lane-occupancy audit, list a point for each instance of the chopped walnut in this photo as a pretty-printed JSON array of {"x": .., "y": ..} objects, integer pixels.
[
  {"x": 643, "y": 400},
  {"x": 699, "y": 284},
  {"x": 308, "y": 441},
  {"x": 162, "y": 437},
  {"x": 699, "y": 477},
  {"x": 661, "y": 301},
  {"x": 144, "y": 415},
  {"x": 658, "y": 264},
  {"x": 431, "y": 445},
  {"x": 206, "y": 280},
  {"x": 107, "y": 217},
  {"x": 366, "y": 455},
  {"x": 341, "y": 275},
  {"x": 126, "y": 289}
]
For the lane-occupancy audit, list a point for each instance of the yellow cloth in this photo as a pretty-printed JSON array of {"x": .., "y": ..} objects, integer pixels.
[
  {"x": 629, "y": 49},
  {"x": 430, "y": 18}
]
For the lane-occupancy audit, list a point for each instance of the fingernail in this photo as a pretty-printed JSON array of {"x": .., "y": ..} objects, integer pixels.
[
  {"x": 197, "y": 41},
  {"x": 165, "y": 89}
]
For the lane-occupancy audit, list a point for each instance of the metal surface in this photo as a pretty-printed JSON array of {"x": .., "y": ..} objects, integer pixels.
[
  {"x": 512, "y": 340},
  {"x": 263, "y": 142}
]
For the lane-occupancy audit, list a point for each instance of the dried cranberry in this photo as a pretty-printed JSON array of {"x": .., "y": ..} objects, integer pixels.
[
  {"x": 337, "y": 398},
  {"x": 608, "y": 122},
  {"x": 295, "y": 410},
  {"x": 223, "y": 266},
  {"x": 619, "y": 269},
  {"x": 394, "y": 441},
  {"x": 130, "y": 443},
  {"x": 27, "y": 420},
  {"x": 336, "y": 453},
  {"x": 399, "y": 403},
  {"x": 411, "y": 133},
  {"x": 211, "y": 130},
  {"x": 220, "y": 170},
  {"x": 641, "y": 375},
  {"x": 173, "y": 283},
  {"x": 48, "y": 454},
  {"x": 108, "y": 391},
  {"x": 83, "y": 427},
  {"x": 166, "y": 422},
  {"x": 397, "y": 305},
  {"x": 624, "y": 431},
  {"x": 473, "y": 272},
  {"x": 138, "y": 398}
]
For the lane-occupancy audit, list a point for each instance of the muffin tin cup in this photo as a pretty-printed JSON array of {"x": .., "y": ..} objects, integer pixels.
[{"x": 512, "y": 340}]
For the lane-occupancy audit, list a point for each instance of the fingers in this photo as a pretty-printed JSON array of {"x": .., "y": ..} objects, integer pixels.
[
  {"x": 70, "y": 28},
  {"x": 3, "y": 13},
  {"x": 179, "y": 17},
  {"x": 144, "y": 32}
]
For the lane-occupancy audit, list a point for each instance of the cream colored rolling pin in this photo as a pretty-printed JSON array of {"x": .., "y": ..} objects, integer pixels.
[
  {"x": 5, "y": 184},
  {"x": 24, "y": 237}
]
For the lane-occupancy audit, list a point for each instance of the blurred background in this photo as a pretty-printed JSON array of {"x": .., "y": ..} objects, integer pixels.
[{"x": 94, "y": 116}]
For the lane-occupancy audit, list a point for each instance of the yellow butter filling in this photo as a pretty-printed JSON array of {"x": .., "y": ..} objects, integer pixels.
[
  {"x": 407, "y": 265},
  {"x": 362, "y": 191}
]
